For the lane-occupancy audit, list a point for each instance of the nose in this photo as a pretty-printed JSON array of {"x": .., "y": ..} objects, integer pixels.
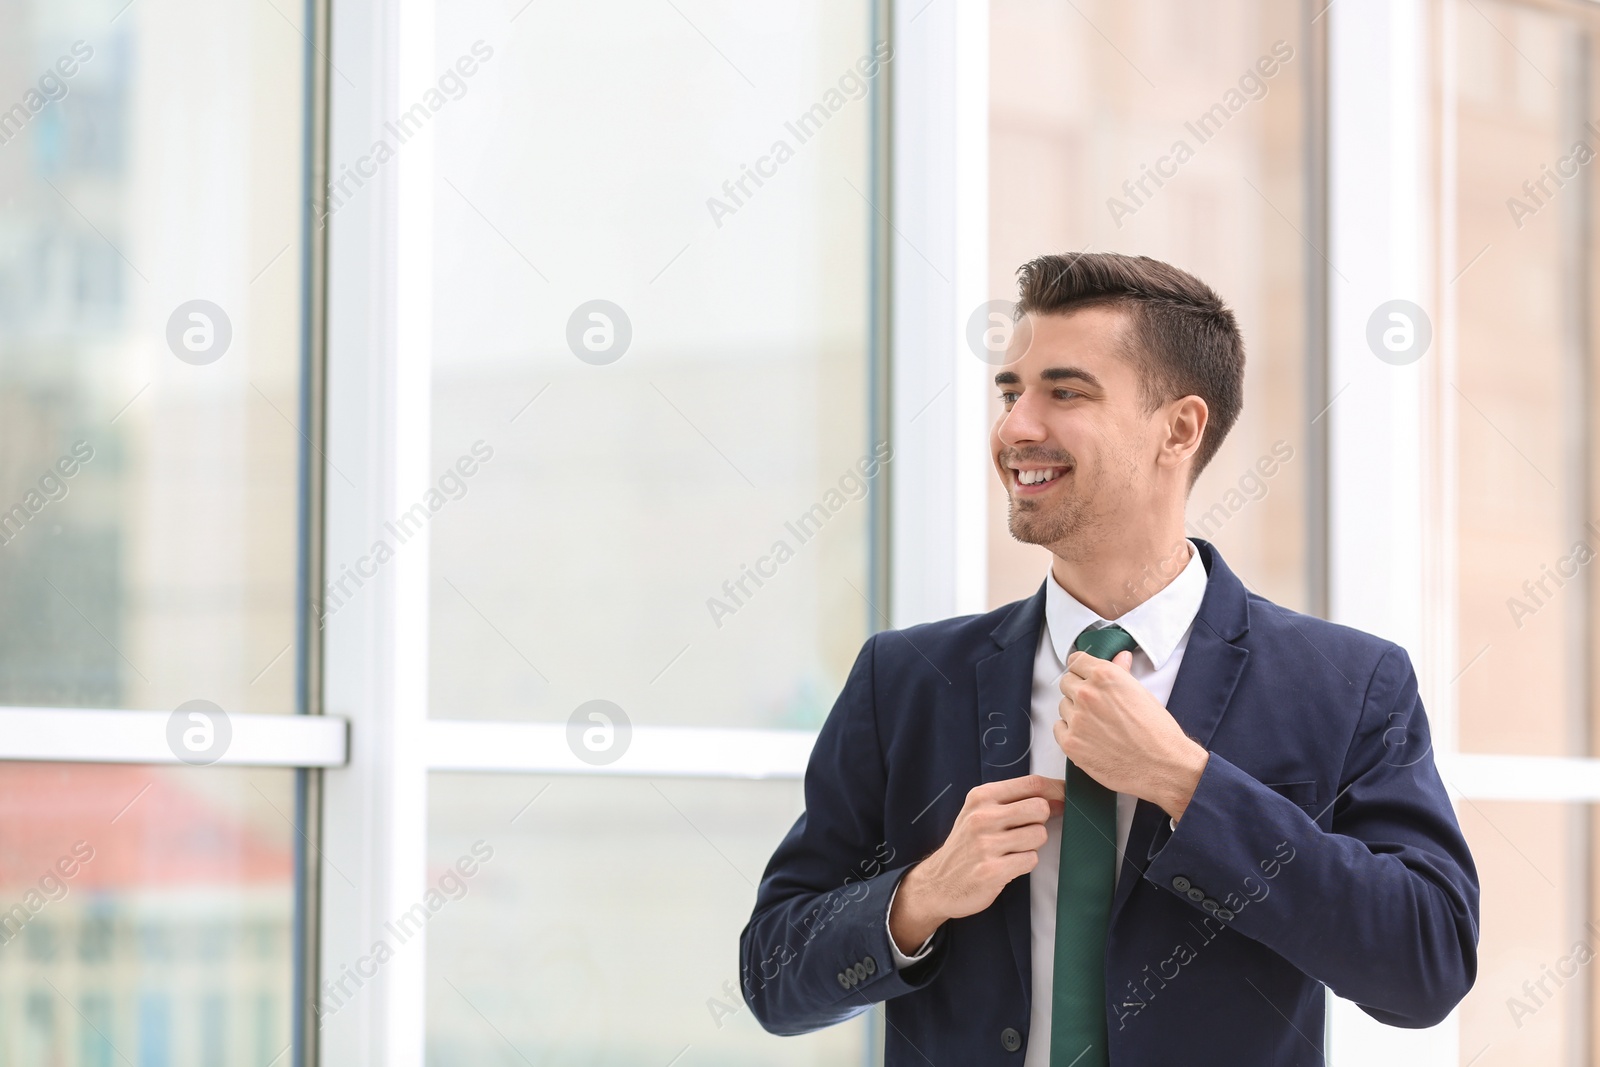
[{"x": 1021, "y": 424}]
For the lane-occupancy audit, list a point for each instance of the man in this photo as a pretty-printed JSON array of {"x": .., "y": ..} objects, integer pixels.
[{"x": 1236, "y": 802}]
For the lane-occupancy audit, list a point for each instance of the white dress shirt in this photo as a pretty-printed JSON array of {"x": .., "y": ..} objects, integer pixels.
[{"x": 1161, "y": 626}]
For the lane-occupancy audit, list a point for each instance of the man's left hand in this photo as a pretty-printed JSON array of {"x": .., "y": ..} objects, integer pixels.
[{"x": 1117, "y": 733}]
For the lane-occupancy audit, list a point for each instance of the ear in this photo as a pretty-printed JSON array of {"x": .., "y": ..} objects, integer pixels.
[{"x": 1186, "y": 420}]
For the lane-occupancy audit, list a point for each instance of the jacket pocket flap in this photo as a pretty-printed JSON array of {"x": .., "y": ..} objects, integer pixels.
[{"x": 1302, "y": 793}]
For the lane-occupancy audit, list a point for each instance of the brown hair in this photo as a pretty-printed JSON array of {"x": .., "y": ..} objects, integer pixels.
[{"x": 1183, "y": 339}]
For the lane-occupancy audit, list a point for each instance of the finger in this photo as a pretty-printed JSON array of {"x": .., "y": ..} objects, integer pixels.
[
  {"x": 1066, "y": 708},
  {"x": 1008, "y": 790},
  {"x": 1026, "y": 838},
  {"x": 1124, "y": 659},
  {"x": 1029, "y": 811},
  {"x": 1016, "y": 864},
  {"x": 1080, "y": 663},
  {"x": 1057, "y": 804}
]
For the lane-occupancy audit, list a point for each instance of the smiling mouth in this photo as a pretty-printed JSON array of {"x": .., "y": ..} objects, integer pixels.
[{"x": 1039, "y": 478}]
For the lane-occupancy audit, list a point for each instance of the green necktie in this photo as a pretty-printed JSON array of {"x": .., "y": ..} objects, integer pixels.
[{"x": 1083, "y": 899}]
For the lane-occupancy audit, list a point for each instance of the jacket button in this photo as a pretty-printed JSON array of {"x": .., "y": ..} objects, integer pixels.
[
  {"x": 1196, "y": 894},
  {"x": 860, "y": 971},
  {"x": 1010, "y": 1040},
  {"x": 1224, "y": 914},
  {"x": 872, "y": 965},
  {"x": 843, "y": 982},
  {"x": 1181, "y": 884}
]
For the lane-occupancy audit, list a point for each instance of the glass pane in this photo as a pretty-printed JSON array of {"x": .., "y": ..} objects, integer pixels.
[
  {"x": 617, "y": 903},
  {"x": 669, "y": 505},
  {"x": 147, "y": 915},
  {"x": 1524, "y": 287},
  {"x": 1090, "y": 105},
  {"x": 151, "y": 220},
  {"x": 1535, "y": 994}
]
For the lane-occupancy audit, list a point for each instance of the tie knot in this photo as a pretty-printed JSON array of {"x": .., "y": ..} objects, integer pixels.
[{"x": 1105, "y": 642}]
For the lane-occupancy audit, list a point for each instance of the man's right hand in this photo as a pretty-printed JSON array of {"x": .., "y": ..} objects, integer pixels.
[{"x": 996, "y": 838}]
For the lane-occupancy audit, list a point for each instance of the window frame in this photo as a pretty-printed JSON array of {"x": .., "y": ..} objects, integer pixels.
[{"x": 379, "y": 397}]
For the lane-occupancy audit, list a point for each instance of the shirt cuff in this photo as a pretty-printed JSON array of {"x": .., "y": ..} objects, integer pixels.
[{"x": 901, "y": 960}]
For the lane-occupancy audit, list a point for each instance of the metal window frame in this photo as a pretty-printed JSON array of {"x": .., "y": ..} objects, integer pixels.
[
  {"x": 1380, "y": 568},
  {"x": 96, "y": 735},
  {"x": 374, "y": 813},
  {"x": 938, "y": 145}
]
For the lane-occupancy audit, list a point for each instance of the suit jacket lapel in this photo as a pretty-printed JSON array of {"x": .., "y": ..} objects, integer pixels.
[{"x": 1005, "y": 734}]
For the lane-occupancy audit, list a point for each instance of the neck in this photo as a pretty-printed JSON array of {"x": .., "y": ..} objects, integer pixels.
[{"x": 1114, "y": 577}]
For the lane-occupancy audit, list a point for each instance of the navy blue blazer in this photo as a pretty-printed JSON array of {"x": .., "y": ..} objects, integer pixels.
[{"x": 1320, "y": 848}]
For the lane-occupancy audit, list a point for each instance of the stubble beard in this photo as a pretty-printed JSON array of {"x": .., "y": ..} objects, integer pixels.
[{"x": 1033, "y": 523}]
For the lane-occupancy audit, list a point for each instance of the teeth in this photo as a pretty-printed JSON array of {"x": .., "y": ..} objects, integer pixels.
[{"x": 1035, "y": 477}]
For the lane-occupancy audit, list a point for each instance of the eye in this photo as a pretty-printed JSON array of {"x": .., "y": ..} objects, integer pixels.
[
  {"x": 1007, "y": 398},
  {"x": 1062, "y": 394}
]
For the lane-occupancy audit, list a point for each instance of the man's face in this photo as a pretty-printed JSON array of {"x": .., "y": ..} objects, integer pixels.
[{"x": 1074, "y": 417}]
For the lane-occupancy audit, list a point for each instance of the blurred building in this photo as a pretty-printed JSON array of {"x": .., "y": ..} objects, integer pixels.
[{"x": 163, "y": 939}]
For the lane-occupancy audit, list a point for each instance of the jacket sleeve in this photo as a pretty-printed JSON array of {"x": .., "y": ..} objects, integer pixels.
[
  {"x": 816, "y": 950},
  {"x": 1382, "y": 908}
]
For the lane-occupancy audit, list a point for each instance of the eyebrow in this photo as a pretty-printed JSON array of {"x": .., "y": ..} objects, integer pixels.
[{"x": 1051, "y": 374}]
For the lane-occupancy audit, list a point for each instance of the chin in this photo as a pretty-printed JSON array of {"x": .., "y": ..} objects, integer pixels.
[{"x": 1035, "y": 527}]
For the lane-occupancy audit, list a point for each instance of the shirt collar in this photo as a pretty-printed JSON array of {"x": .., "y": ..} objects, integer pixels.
[{"x": 1157, "y": 625}]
